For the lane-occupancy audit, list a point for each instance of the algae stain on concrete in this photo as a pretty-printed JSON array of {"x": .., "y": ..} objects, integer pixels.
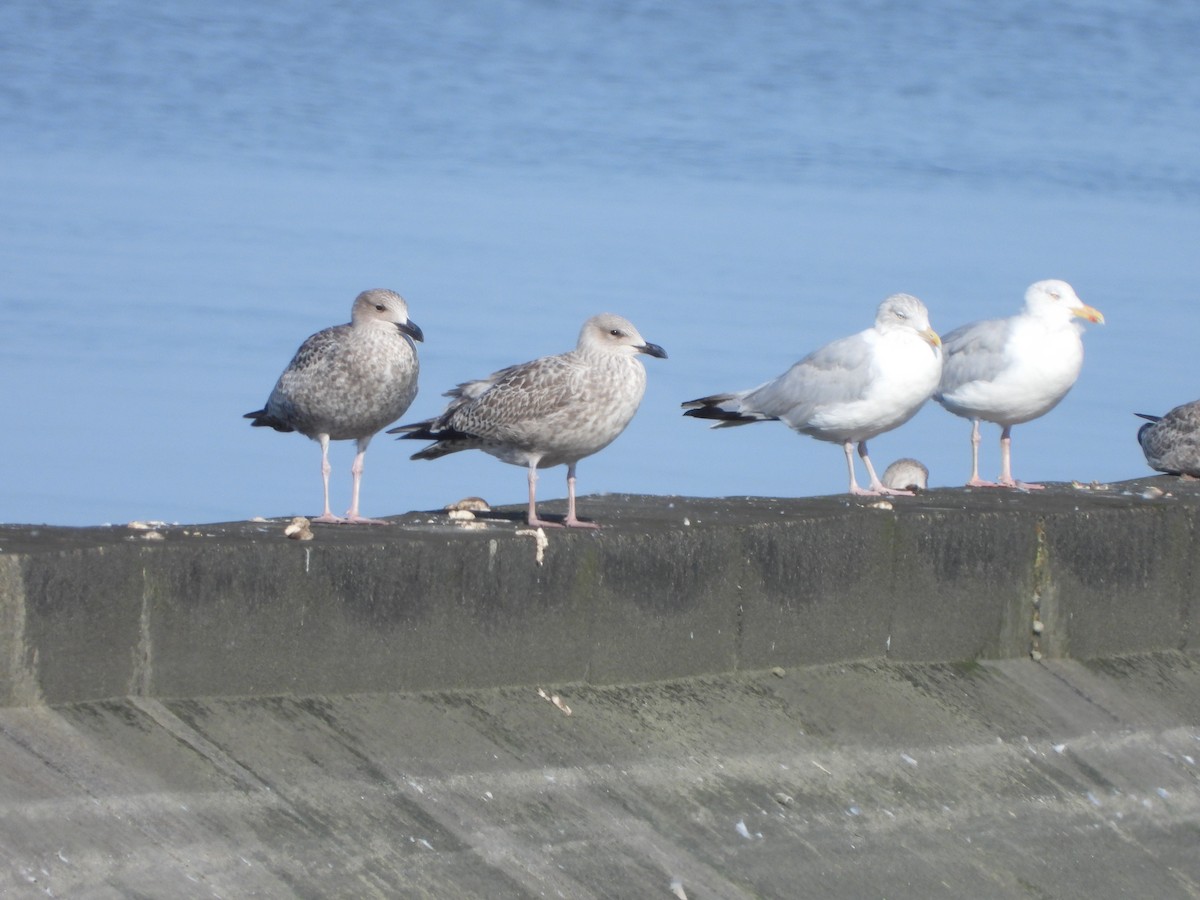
[
  {"x": 1042, "y": 637},
  {"x": 18, "y": 663}
]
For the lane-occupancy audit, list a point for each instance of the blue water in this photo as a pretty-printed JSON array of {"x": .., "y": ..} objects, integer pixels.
[{"x": 188, "y": 193}]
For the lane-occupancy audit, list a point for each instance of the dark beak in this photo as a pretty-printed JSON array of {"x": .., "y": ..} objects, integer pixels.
[
  {"x": 413, "y": 330},
  {"x": 653, "y": 350}
]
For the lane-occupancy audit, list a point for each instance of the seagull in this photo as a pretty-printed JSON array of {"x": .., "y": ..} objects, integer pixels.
[
  {"x": 1172, "y": 442},
  {"x": 346, "y": 383},
  {"x": 1010, "y": 371},
  {"x": 848, "y": 391},
  {"x": 908, "y": 473},
  {"x": 551, "y": 411}
]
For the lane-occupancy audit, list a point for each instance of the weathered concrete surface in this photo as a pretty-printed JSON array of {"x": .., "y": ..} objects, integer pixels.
[
  {"x": 670, "y": 588},
  {"x": 224, "y": 712},
  {"x": 1008, "y": 779}
]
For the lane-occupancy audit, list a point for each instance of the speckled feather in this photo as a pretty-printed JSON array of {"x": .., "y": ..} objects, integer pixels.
[
  {"x": 1172, "y": 442},
  {"x": 556, "y": 409},
  {"x": 347, "y": 381}
]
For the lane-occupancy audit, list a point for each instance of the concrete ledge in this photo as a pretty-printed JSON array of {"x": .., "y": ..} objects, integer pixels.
[{"x": 669, "y": 588}]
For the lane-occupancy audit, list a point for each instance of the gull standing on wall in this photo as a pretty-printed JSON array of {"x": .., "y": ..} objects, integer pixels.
[
  {"x": 347, "y": 383},
  {"x": 1172, "y": 442},
  {"x": 552, "y": 411},
  {"x": 848, "y": 391},
  {"x": 1010, "y": 371}
]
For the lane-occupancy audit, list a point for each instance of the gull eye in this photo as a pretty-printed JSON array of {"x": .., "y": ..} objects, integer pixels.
[
  {"x": 380, "y": 307},
  {"x": 616, "y": 332}
]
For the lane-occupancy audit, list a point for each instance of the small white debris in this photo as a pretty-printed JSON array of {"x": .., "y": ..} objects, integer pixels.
[
  {"x": 908, "y": 759},
  {"x": 783, "y": 799},
  {"x": 677, "y": 889},
  {"x": 539, "y": 535},
  {"x": 1152, "y": 493},
  {"x": 1093, "y": 799},
  {"x": 1060, "y": 748},
  {"x": 1038, "y": 626},
  {"x": 778, "y": 671},
  {"x": 460, "y": 515},
  {"x": 854, "y": 811},
  {"x": 743, "y": 830},
  {"x": 153, "y": 536},
  {"x": 555, "y": 700},
  {"x": 257, "y": 519},
  {"x": 1162, "y": 792},
  {"x": 686, "y": 524},
  {"x": 469, "y": 504},
  {"x": 298, "y": 529},
  {"x": 881, "y": 504}
]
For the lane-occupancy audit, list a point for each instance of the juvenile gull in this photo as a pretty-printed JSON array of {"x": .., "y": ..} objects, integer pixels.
[
  {"x": 1010, "y": 371},
  {"x": 1172, "y": 442},
  {"x": 909, "y": 474},
  {"x": 346, "y": 383},
  {"x": 552, "y": 411},
  {"x": 848, "y": 391}
]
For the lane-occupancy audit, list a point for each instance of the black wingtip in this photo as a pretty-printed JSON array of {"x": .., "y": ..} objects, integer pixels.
[
  {"x": 1148, "y": 416},
  {"x": 721, "y": 415}
]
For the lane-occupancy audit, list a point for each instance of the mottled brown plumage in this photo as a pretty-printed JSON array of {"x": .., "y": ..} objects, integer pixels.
[
  {"x": 1172, "y": 442},
  {"x": 347, "y": 383},
  {"x": 551, "y": 411}
]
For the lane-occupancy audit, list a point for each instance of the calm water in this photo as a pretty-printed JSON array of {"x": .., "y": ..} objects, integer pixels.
[{"x": 188, "y": 194}]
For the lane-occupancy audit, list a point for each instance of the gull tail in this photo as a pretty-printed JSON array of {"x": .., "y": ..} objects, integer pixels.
[
  {"x": 263, "y": 419},
  {"x": 445, "y": 440},
  {"x": 725, "y": 408}
]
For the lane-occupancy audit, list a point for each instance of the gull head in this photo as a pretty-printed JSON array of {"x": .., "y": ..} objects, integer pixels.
[
  {"x": 612, "y": 334},
  {"x": 1054, "y": 299},
  {"x": 904, "y": 312},
  {"x": 382, "y": 305}
]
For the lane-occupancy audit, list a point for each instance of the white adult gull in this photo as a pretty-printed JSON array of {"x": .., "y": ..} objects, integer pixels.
[
  {"x": 1172, "y": 442},
  {"x": 848, "y": 391},
  {"x": 1010, "y": 371},
  {"x": 551, "y": 411},
  {"x": 348, "y": 382}
]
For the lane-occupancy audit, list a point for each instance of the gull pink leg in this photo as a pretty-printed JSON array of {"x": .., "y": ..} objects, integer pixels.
[
  {"x": 532, "y": 518},
  {"x": 848, "y": 447},
  {"x": 571, "y": 521},
  {"x": 1006, "y": 477},
  {"x": 356, "y": 470},
  {"x": 877, "y": 486},
  {"x": 326, "y": 516},
  {"x": 976, "y": 481}
]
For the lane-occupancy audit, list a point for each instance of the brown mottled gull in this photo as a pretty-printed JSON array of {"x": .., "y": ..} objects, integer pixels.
[
  {"x": 1010, "y": 371},
  {"x": 346, "y": 383},
  {"x": 1172, "y": 442},
  {"x": 848, "y": 391},
  {"x": 552, "y": 411}
]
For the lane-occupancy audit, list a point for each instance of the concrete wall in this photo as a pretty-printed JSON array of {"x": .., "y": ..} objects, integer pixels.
[{"x": 670, "y": 587}]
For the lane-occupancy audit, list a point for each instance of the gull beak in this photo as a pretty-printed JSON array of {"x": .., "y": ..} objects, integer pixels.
[
  {"x": 1088, "y": 312},
  {"x": 932, "y": 336},
  {"x": 652, "y": 350},
  {"x": 413, "y": 330}
]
